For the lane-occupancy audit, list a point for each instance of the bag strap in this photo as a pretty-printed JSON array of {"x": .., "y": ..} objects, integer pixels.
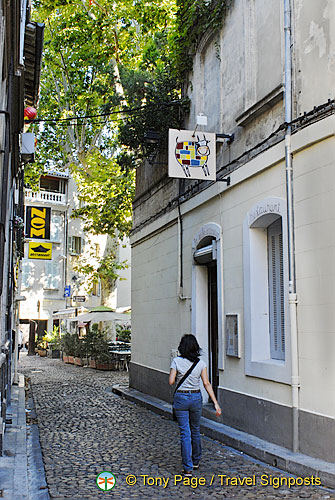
[{"x": 184, "y": 377}]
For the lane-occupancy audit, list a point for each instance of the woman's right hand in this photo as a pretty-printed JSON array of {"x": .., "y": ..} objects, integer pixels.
[{"x": 218, "y": 410}]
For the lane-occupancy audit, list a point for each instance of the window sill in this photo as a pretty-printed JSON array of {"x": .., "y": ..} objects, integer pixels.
[
  {"x": 269, "y": 369},
  {"x": 261, "y": 106}
]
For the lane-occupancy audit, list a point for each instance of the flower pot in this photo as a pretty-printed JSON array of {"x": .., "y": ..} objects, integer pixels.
[
  {"x": 42, "y": 352},
  {"x": 71, "y": 360},
  {"x": 78, "y": 361},
  {"x": 65, "y": 358}
]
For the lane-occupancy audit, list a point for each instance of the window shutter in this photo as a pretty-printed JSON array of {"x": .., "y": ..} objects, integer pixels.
[
  {"x": 48, "y": 275},
  {"x": 26, "y": 268},
  {"x": 56, "y": 227},
  {"x": 55, "y": 275},
  {"x": 70, "y": 244},
  {"x": 276, "y": 291}
]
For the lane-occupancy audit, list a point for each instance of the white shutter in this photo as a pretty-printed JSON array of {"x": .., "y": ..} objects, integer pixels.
[
  {"x": 56, "y": 228},
  {"x": 56, "y": 278},
  {"x": 48, "y": 275},
  {"x": 27, "y": 268},
  {"x": 276, "y": 291},
  {"x": 52, "y": 275}
]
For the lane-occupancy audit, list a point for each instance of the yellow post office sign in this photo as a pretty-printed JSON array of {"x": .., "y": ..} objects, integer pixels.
[{"x": 40, "y": 251}]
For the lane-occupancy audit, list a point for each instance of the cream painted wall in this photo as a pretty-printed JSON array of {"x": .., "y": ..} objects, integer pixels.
[
  {"x": 314, "y": 183},
  {"x": 159, "y": 318}
]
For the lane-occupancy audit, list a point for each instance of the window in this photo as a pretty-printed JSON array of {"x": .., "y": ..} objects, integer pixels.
[
  {"x": 266, "y": 309},
  {"x": 52, "y": 276},
  {"x": 56, "y": 227},
  {"x": 76, "y": 245},
  {"x": 27, "y": 273},
  {"x": 52, "y": 184},
  {"x": 276, "y": 290}
]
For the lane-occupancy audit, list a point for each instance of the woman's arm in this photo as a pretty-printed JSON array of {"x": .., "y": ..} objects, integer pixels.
[
  {"x": 172, "y": 376},
  {"x": 210, "y": 392}
]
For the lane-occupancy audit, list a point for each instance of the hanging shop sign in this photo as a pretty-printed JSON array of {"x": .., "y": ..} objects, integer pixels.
[
  {"x": 192, "y": 155},
  {"x": 40, "y": 251},
  {"x": 38, "y": 222}
]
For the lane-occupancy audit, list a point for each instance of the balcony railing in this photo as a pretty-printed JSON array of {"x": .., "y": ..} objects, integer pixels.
[{"x": 45, "y": 197}]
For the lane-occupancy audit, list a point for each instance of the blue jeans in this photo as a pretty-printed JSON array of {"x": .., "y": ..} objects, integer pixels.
[{"x": 188, "y": 407}]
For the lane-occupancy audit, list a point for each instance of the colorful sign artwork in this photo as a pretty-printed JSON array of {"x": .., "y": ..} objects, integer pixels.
[
  {"x": 192, "y": 156},
  {"x": 40, "y": 251},
  {"x": 38, "y": 222}
]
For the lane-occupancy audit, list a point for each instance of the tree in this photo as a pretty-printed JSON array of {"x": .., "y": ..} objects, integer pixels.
[{"x": 102, "y": 60}]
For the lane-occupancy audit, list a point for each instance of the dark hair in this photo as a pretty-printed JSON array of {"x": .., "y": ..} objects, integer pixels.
[{"x": 189, "y": 347}]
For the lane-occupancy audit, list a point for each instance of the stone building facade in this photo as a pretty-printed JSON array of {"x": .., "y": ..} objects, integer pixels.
[
  {"x": 21, "y": 42},
  {"x": 245, "y": 266}
]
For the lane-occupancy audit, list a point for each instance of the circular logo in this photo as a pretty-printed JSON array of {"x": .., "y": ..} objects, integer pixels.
[{"x": 105, "y": 481}]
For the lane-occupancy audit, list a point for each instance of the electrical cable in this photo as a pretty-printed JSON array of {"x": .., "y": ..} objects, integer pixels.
[{"x": 129, "y": 110}]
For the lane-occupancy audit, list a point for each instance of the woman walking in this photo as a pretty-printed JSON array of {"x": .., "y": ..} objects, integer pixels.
[{"x": 188, "y": 368}]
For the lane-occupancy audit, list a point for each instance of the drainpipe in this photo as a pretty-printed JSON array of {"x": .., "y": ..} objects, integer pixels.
[{"x": 295, "y": 382}]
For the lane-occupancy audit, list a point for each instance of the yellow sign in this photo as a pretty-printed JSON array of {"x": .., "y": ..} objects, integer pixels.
[{"x": 40, "y": 251}]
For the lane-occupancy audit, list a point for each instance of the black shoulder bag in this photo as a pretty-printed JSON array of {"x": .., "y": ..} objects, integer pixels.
[{"x": 181, "y": 381}]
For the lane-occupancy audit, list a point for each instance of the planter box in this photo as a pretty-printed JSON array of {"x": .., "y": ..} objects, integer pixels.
[
  {"x": 65, "y": 358},
  {"x": 104, "y": 366},
  {"x": 71, "y": 360},
  {"x": 78, "y": 361},
  {"x": 93, "y": 363}
]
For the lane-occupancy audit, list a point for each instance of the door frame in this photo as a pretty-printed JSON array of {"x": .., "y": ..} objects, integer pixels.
[{"x": 200, "y": 295}]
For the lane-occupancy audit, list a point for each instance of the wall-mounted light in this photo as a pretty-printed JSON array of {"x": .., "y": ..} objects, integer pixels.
[{"x": 151, "y": 144}]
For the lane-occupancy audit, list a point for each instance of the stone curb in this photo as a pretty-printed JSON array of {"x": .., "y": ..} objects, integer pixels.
[{"x": 272, "y": 454}]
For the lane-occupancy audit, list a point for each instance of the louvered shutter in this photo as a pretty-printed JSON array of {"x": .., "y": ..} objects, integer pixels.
[
  {"x": 276, "y": 291},
  {"x": 56, "y": 228},
  {"x": 55, "y": 275}
]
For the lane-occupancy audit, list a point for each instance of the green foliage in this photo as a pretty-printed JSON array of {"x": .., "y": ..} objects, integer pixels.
[
  {"x": 194, "y": 18},
  {"x": 68, "y": 343},
  {"x": 95, "y": 269},
  {"x": 123, "y": 333},
  {"x": 53, "y": 338}
]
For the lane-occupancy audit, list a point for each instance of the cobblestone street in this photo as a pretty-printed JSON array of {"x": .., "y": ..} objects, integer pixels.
[{"x": 85, "y": 429}]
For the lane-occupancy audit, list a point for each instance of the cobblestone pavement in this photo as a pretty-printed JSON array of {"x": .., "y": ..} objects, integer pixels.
[{"x": 85, "y": 430}]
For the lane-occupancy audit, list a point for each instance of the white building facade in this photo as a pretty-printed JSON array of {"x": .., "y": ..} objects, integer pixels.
[
  {"x": 56, "y": 288},
  {"x": 217, "y": 257}
]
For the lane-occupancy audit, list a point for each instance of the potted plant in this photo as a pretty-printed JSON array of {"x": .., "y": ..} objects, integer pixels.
[
  {"x": 42, "y": 346},
  {"x": 68, "y": 346},
  {"x": 54, "y": 342},
  {"x": 103, "y": 356},
  {"x": 80, "y": 352}
]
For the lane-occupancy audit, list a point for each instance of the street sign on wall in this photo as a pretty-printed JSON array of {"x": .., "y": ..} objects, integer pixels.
[
  {"x": 67, "y": 291},
  {"x": 79, "y": 298},
  {"x": 192, "y": 155},
  {"x": 40, "y": 251},
  {"x": 38, "y": 222}
]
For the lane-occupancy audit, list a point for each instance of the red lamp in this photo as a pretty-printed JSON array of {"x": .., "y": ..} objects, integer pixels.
[{"x": 30, "y": 113}]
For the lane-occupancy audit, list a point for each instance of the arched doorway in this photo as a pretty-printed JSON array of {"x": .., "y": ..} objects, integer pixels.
[{"x": 207, "y": 299}]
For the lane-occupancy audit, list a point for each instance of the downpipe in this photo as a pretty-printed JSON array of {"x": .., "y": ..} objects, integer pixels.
[{"x": 295, "y": 381}]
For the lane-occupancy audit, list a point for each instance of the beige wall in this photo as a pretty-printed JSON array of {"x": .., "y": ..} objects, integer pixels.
[{"x": 159, "y": 318}]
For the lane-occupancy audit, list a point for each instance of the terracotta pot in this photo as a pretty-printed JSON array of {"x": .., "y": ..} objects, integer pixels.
[
  {"x": 42, "y": 352},
  {"x": 71, "y": 360},
  {"x": 65, "y": 358}
]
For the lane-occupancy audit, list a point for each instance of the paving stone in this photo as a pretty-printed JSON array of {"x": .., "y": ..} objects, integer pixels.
[{"x": 85, "y": 429}]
